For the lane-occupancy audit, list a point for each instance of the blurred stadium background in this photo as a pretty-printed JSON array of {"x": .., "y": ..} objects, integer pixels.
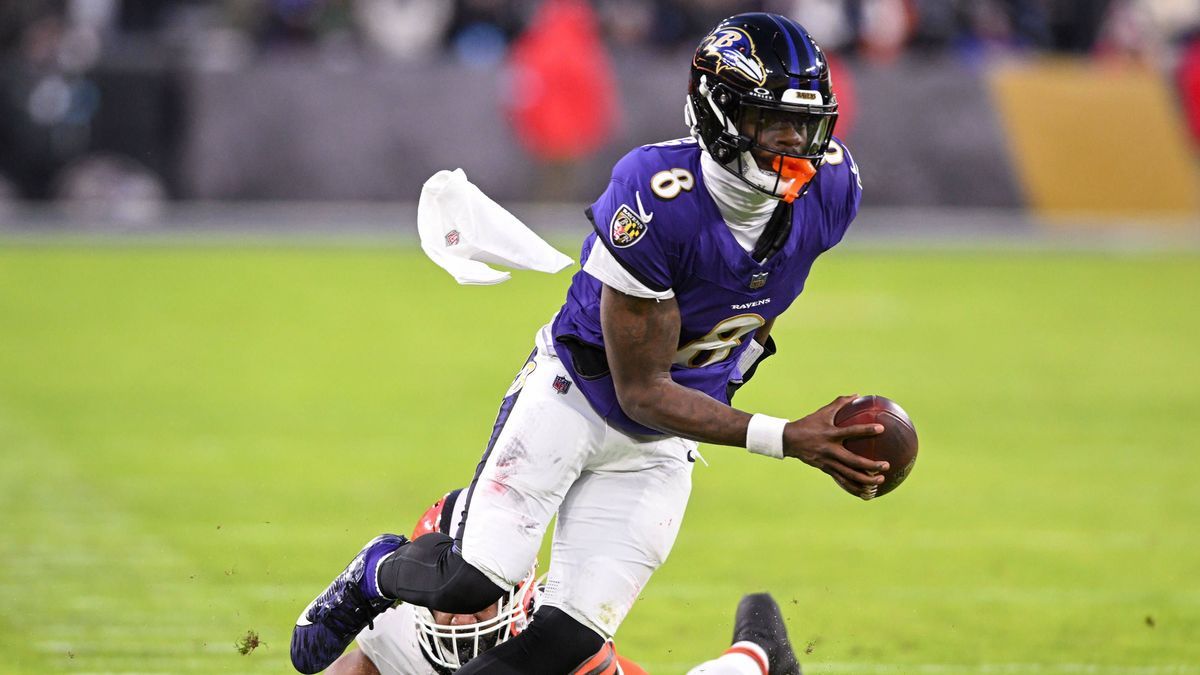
[{"x": 224, "y": 363}]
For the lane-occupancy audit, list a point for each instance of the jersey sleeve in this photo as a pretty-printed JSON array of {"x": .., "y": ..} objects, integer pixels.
[
  {"x": 636, "y": 239},
  {"x": 845, "y": 195},
  {"x": 604, "y": 268}
]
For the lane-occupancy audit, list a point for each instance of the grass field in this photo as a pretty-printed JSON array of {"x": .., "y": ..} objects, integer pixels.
[{"x": 194, "y": 440}]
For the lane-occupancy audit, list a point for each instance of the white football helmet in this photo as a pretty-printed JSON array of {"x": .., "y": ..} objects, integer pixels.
[{"x": 451, "y": 647}]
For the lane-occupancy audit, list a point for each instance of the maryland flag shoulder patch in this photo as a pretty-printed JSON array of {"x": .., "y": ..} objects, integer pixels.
[{"x": 626, "y": 228}]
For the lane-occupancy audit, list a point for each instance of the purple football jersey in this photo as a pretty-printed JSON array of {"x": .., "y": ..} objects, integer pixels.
[{"x": 662, "y": 225}]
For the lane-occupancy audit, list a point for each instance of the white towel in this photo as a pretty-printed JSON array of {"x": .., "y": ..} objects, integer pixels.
[{"x": 462, "y": 229}]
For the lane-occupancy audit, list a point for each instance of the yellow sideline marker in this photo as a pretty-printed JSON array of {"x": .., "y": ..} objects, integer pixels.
[{"x": 1100, "y": 141}]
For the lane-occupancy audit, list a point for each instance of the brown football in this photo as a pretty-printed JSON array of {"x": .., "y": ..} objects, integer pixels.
[{"x": 897, "y": 445}]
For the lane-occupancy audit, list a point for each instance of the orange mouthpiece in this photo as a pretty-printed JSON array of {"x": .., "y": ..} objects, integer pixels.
[{"x": 798, "y": 171}]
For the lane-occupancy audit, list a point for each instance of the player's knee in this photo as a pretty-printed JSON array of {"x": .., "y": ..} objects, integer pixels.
[
  {"x": 430, "y": 573},
  {"x": 468, "y": 590},
  {"x": 464, "y": 588}
]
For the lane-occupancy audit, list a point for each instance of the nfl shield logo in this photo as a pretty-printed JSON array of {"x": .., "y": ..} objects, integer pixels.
[
  {"x": 758, "y": 280},
  {"x": 452, "y": 238},
  {"x": 561, "y": 384}
]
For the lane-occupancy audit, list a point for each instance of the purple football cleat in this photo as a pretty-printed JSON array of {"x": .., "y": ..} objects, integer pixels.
[{"x": 351, "y": 602}]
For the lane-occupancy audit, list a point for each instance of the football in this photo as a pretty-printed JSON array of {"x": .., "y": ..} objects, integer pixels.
[{"x": 897, "y": 445}]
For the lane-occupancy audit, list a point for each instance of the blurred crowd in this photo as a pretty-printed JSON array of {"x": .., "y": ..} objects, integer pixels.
[
  {"x": 477, "y": 31},
  {"x": 56, "y": 139}
]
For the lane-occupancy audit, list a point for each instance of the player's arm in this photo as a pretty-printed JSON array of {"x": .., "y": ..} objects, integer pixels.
[{"x": 641, "y": 336}]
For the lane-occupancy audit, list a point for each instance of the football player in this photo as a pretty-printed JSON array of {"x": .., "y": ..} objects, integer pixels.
[
  {"x": 699, "y": 244},
  {"x": 410, "y": 640}
]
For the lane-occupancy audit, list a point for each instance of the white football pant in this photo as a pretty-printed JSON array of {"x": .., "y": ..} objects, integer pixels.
[{"x": 619, "y": 498}]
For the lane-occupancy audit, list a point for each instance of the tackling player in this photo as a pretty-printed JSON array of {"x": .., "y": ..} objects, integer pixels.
[
  {"x": 410, "y": 640},
  {"x": 699, "y": 244}
]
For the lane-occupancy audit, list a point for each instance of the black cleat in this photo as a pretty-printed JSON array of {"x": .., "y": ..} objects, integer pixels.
[{"x": 759, "y": 620}]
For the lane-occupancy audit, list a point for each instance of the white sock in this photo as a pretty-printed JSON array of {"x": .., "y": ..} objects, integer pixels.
[{"x": 742, "y": 658}]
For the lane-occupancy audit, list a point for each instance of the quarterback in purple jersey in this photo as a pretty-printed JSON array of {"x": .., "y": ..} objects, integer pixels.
[
  {"x": 685, "y": 252},
  {"x": 699, "y": 244}
]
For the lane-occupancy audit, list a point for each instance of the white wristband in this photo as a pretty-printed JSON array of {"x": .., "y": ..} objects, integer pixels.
[{"x": 764, "y": 435}]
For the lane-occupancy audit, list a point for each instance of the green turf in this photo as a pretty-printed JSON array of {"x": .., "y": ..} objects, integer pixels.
[{"x": 194, "y": 440}]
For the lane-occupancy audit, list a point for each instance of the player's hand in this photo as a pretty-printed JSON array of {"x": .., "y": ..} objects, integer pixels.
[{"x": 816, "y": 441}]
